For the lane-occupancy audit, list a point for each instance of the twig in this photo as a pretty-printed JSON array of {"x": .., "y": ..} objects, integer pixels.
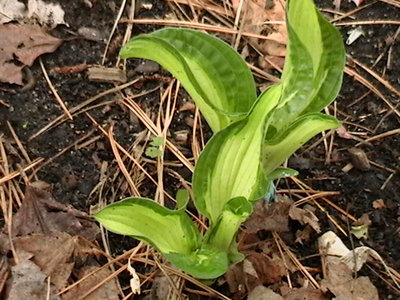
[{"x": 54, "y": 91}]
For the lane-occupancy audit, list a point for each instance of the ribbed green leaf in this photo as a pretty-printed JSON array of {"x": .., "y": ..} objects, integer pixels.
[
  {"x": 169, "y": 231},
  {"x": 229, "y": 166},
  {"x": 313, "y": 66},
  {"x": 214, "y": 74}
]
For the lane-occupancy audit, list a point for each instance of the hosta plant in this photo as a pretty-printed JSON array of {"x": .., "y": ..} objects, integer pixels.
[{"x": 253, "y": 135}]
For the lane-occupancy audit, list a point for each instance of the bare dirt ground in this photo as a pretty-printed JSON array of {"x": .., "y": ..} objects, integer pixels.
[{"x": 349, "y": 178}]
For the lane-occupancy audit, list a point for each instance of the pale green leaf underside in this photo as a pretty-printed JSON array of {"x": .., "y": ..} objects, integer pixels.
[
  {"x": 167, "y": 230},
  {"x": 214, "y": 74}
]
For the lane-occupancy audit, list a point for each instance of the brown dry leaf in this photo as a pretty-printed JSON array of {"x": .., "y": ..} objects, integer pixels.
[
  {"x": 28, "y": 282},
  {"x": 42, "y": 12},
  {"x": 308, "y": 293},
  {"x": 340, "y": 264},
  {"x": 19, "y": 47},
  {"x": 269, "y": 216},
  {"x": 305, "y": 217},
  {"x": 55, "y": 254},
  {"x": 339, "y": 281},
  {"x": 40, "y": 213},
  {"x": 255, "y": 13},
  {"x": 268, "y": 270},
  {"x": 109, "y": 290},
  {"x": 379, "y": 204},
  {"x": 257, "y": 269},
  {"x": 45, "y": 13},
  {"x": 304, "y": 235},
  {"x": 263, "y": 293}
]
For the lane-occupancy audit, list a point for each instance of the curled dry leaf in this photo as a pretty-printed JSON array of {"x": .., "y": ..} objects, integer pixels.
[
  {"x": 20, "y": 45},
  {"x": 378, "y": 204},
  {"x": 269, "y": 216},
  {"x": 340, "y": 264},
  {"x": 257, "y": 269},
  {"x": 40, "y": 213},
  {"x": 305, "y": 217}
]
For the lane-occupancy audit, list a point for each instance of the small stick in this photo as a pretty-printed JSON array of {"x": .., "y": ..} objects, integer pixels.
[
  {"x": 16, "y": 173},
  {"x": 54, "y": 91},
  {"x": 202, "y": 26},
  {"x": 379, "y": 136}
]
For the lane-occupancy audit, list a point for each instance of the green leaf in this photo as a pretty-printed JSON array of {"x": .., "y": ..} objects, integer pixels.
[
  {"x": 281, "y": 173},
  {"x": 169, "y": 231},
  {"x": 153, "y": 152},
  {"x": 157, "y": 141},
  {"x": 213, "y": 73},
  {"x": 182, "y": 199},
  {"x": 223, "y": 233},
  {"x": 276, "y": 151},
  {"x": 314, "y": 63},
  {"x": 206, "y": 262},
  {"x": 229, "y": 166}
]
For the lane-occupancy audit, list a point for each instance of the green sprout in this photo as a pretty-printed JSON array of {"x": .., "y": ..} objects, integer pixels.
[
  {"x": 253, "y": 135},
  {"x": 153, "y": 150}
]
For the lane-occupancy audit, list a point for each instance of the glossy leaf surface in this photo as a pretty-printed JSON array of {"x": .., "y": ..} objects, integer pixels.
[
  {"x": 169, "y": 231},
  {"x": 314, "y": 64},
  {"x": 214, "y": 74},
  {"x": 229, "y": 166}
]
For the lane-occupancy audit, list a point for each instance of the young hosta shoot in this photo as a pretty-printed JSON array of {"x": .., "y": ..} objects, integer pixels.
[{"x": 253, "y": 135}]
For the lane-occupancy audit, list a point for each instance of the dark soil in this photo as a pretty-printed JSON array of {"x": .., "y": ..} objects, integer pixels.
[{"x": 75, "y": 173}]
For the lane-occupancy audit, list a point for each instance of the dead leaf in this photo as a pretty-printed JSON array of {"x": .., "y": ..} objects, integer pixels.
[
  {"x": 28, "y": 282},
  {"x": 379, "y": 204},
  {"x": 42, "y": 12},
  {"x": 304, "y": 235},
  {"x": 268, "y": 270},
  {"x": 263, "y": 293},
  {"x": 40, "y": 213},
  {"x": 308, "y": 293},
  {"x": 360, "y": 227},
  {"x": 19, "y": 47},
  {"x": 11, "y": 10},
  {"x": 269, "y": 216},
  {"x": 109, "y": 290},
  {"x": 135, "y": 280},
  {"x": 256, "y": 269},
  {"x": 340, "y": 282},
  {"x": 55, "y": 254},
  {"x": 46, "y": 13},
  {"x": 340, "y": 264},
  {"x": 256, "y": 14},
  {"x": 305, "y": 217}
]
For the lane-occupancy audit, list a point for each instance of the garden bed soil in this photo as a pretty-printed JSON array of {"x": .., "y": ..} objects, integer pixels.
[{"x": 74, "y": 175}]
